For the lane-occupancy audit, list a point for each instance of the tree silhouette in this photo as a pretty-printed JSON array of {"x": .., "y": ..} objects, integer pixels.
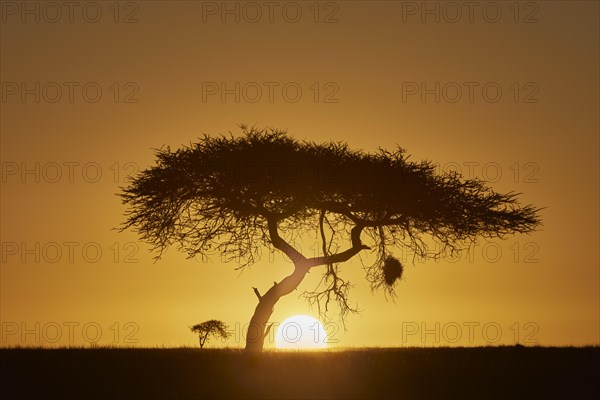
[
  {"x": 206, "y": 329},
  {"x": 235, "y": 195}
]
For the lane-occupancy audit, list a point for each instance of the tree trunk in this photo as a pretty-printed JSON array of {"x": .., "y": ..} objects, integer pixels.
[{"x": 257, "y": 330}]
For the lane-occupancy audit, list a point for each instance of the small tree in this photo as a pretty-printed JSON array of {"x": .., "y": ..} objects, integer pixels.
[
  {"x": 232, "y": 196},
  {"x": 213, "y": 328}
]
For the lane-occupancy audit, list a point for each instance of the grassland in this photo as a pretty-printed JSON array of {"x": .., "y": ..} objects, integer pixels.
[{"x": 488, "y": 372}]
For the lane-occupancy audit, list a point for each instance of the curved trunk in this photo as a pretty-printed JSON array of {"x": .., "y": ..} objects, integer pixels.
[{"x": 258, "y": 330}]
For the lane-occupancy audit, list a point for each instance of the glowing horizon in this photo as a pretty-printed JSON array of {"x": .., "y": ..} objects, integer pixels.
[{"x": 372, "y": 76}]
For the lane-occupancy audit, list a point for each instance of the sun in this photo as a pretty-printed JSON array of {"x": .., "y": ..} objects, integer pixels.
[{"x": 301, "y": 332}]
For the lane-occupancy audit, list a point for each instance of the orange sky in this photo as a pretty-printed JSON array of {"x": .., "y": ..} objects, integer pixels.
[{"x": 512, "y": 102}]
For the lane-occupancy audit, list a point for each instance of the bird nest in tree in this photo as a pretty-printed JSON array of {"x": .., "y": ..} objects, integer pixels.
[{"x": 392, "y": 270}]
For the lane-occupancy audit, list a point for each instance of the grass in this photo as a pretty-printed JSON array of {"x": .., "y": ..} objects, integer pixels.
[{"x": 127, "y": 373}]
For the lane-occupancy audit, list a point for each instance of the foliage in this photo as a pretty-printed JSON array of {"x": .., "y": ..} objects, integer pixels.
[
  {"x": 215, "y": 328},
  {"x": 233, "y": 195}
]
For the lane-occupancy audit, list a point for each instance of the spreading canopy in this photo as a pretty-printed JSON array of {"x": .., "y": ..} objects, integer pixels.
[
  {"x": 212, "y": 327},
  {"x": 233, "y": 195}
]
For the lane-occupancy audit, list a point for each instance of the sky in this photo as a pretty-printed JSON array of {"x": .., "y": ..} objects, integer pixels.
[{"x": 504, "y": 91}]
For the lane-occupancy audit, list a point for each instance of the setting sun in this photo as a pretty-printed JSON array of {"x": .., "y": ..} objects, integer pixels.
[{"x": 301, "y": 332}]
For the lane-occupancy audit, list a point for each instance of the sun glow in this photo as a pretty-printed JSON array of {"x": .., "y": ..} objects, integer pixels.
[{"x": 301, "y": 332}]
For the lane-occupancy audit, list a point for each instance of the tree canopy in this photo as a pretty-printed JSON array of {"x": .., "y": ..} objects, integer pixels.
[
  {"x": 209, "y": 328},
  {"x": 233, "y": 195}
]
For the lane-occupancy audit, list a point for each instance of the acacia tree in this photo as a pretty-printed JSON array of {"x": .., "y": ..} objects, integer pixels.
[
  {"x": 234, "y": 196},
  {"x": 213, "y": 327}
]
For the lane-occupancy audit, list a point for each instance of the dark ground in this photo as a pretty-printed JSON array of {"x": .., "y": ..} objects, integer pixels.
[{"x": 490, "y": 372}]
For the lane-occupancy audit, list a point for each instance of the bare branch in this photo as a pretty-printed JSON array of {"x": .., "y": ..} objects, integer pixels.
[
  {"x": 280, "y": 244},
  {"x": 336, "y": 258}
]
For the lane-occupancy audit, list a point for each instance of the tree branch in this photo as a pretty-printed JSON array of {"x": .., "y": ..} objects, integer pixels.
[
  {"x": 357, "y": 246},
  {"x": 321, "y": 219},
  {"x": 280, "y": 244}
]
